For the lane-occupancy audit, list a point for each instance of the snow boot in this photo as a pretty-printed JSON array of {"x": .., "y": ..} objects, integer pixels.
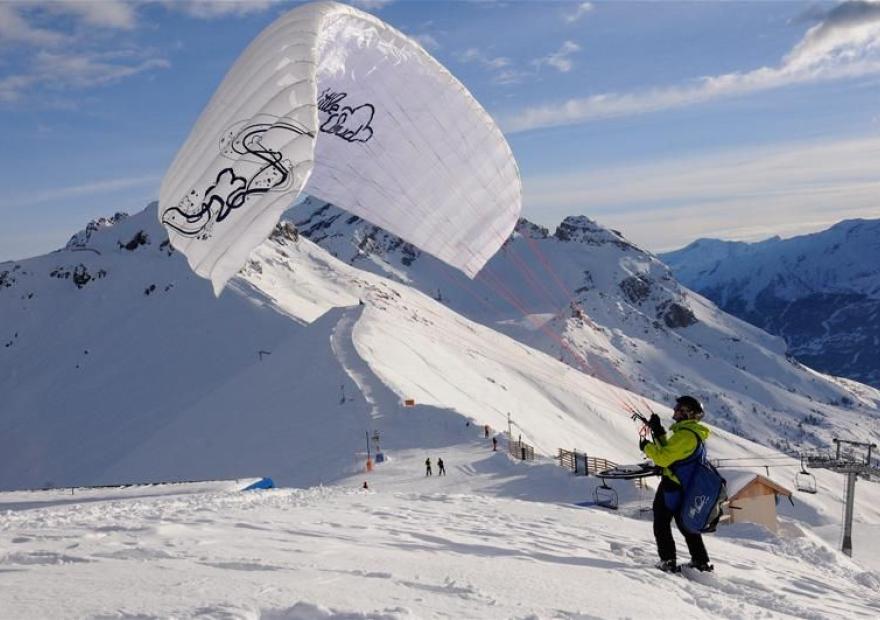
[
  {"x": 668, "y": 566},
  {"x": 703, "y": 567}
]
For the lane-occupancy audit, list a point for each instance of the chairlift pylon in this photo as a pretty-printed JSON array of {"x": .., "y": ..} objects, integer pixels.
[
  {"x": 804, "y": 481},
  {"x": 605, "y": 496}
]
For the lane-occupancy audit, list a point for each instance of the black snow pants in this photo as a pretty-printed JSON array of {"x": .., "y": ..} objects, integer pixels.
[{"x": 663, "y": 528}]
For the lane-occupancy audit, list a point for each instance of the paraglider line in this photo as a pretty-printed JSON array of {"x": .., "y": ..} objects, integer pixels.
[
  {"x": 533, "y": 246},
  {"x": 499, "y": 288},
  {"x": 536, "y": 284}
]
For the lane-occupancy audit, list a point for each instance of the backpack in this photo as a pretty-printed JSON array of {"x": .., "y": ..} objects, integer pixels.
[{"x": 704, "y": 490}]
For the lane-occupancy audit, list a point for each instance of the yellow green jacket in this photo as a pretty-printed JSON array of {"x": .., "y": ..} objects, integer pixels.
[{"x": 674, "y": 447}]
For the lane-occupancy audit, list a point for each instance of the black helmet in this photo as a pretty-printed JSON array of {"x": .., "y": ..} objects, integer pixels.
[{"x": 691, "y": 403}]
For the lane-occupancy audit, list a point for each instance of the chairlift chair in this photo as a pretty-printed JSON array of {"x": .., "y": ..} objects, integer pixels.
[
  {"x": 605, "y": 496},
  {"x": 804, "y": 481}
]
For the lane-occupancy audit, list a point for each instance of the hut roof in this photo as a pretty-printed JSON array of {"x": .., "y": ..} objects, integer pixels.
[{"x": 737, "y": 481}]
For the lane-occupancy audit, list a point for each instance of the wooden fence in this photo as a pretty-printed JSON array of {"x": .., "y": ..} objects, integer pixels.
[
  {"x": 521, "y": 450},
  {"x": 577, "y": 462},
  {"x": 580, "y": 463}
]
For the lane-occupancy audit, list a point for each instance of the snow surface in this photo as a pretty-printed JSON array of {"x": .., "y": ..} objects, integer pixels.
[{"x": 494, "y": 538}]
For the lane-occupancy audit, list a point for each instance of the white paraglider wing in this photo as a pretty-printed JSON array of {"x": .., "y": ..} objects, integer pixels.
[{"x": 335, "y": 103}]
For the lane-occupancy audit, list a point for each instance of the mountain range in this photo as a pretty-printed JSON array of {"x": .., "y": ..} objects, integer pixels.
[
  {"x": 587, "y": 296},
  {"x": 120, "y": 365},
  {"x": 819, "y": 292}
]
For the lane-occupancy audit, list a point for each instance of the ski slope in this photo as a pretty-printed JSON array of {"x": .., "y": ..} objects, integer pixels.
[{"x": 494, "y": 538}]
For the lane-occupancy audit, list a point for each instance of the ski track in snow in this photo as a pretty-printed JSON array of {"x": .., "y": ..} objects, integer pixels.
[{"x": 358, "y": 370}]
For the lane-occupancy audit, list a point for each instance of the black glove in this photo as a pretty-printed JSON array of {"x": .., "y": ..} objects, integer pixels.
[
  {"x": 642, "y": 443},
  {"x": 655, "y": 425}
]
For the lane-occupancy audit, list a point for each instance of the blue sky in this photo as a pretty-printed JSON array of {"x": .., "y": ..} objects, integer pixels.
[{"x": 667, "y": 121}]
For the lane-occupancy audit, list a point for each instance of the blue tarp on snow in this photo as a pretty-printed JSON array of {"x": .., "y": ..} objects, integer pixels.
[{"x": 262, "y": 483}]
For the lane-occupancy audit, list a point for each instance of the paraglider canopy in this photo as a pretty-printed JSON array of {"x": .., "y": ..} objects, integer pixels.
[{"x": 332, "y": 102}]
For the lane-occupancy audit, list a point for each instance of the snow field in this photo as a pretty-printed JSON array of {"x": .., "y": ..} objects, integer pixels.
[{"x": 472, "y": 544}]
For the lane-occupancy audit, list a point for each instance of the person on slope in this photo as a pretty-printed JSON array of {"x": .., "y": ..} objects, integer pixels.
[
  {"x": 441, "y": 468},
  {"x": 428, "y": 471},
  {"x": 668, "y": 452}
]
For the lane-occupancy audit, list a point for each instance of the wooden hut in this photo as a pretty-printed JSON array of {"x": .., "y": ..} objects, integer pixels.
[{"x": 753, "y": 499}]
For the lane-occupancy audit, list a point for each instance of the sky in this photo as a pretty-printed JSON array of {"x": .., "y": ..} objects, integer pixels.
[{"x": 667, "y": 121}]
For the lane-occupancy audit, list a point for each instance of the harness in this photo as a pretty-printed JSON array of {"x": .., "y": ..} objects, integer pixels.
[{"x": 683, "y": 470}]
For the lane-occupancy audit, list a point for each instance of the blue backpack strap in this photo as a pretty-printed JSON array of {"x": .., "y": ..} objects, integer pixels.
[
  {"x": 695, "y": 455},
  {"x": 700, "y": 444},
  {"x": 684, "y": 468}
]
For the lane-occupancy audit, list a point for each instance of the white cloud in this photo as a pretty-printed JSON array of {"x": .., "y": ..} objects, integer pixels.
[
  {"x": 501, "y": 67},
  {"x": 371, "y": 5},
  {"x": 115, "y": 14},
  {"x": 489, "y": 62},
  {"x": 560, "y": 60},
  {"x": 846, "y": 29},
  {"x": 14, "y": 28},
  {"x": 427, "y": 41},
  {"x": 509, "y": 76},
  {"x": 60, "y": 71},
  {"x": 16, "y": 20},
  {"x": 12, "y": 88},
  {"x": 506, "y": 73},
  {"x": 744, "y": 194},
  {"x": 68, "y": 60},
  {"x": 84, "y": 70},
  {"x": 580, "y": 10},
  {"x": 846, "y": 44},
  {"x": 216, "y": 9}
]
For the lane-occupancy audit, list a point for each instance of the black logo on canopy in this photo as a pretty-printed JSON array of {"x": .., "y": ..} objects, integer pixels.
[
  {"x": 349, "y": 123},
  {"x": 244, "y": 143}
]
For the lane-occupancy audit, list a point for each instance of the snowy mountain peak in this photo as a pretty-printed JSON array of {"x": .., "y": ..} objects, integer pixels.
[
  {"x": 842, "y": 258},
  {"x": 121, "y": 233},
  {"x": 324, "y": 220},
  {"x": 350, "y": 238},
  {"x": 81, "y": 239},
  {"x": 525, "y": 228},
  {"x": 850, "y": 239},
  {"x": 284, "y": 233},
  {"x": 582, "y": 229}
]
